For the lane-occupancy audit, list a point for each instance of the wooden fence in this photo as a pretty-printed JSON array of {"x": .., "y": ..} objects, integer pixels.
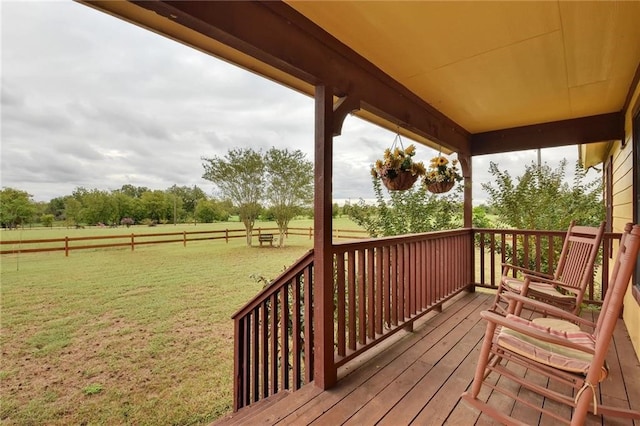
[{"x": 67, "y": 244}]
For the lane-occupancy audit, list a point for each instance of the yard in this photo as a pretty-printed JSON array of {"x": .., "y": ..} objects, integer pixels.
[{"x": 113, "y": 336}]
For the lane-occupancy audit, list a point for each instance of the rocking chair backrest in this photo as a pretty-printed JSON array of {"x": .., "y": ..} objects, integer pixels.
[
  {"x": 575, "y": 267},
  {"x": 620, "y": 275},
  {"x": 622, "y": 270}
]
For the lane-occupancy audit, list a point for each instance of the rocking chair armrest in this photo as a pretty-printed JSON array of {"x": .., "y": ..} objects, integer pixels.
[
  {"x": 507, "y": 266},
  {"x": 551, "y": 310},
  {"x": 542, "y": 280},
  {"x": 553, "y": 283},
  {"x": 497, "y": 319}
]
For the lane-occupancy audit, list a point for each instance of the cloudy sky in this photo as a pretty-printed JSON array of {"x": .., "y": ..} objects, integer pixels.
[{"x": 92, "y": 101}]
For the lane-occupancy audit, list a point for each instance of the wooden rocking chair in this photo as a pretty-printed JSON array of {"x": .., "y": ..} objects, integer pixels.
[
  {"x": 567, "y": 286},
  {"x": 556, "y": 348}
]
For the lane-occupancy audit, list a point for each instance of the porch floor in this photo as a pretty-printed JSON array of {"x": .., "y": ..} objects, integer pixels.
[{"x": 418, "y": 378}]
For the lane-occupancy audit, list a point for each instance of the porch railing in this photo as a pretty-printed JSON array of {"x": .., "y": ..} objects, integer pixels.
[
  {"x": 384, "y": 285},
  {"x": 534, "y": 250},
  {"x": 380, "y": 287},
  {"x": 274, "y": 338}
]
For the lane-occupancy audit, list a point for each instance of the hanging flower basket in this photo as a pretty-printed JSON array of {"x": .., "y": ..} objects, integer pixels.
[
  {"x": 441, "y": 176},
  {"x": 401, "y": 182},
  {"x": 440, "y": 187},
  {"x": 397, "y": 170}
]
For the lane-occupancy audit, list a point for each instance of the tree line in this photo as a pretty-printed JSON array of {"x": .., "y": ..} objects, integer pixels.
[
  {"x": 275, "y": 185},
  {"x": 128, "y": 205}
]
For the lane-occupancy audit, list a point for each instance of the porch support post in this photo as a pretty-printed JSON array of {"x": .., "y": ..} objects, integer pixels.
[
  {"x": 465, "y": 165},
  {"x": 325, "y": 372}
]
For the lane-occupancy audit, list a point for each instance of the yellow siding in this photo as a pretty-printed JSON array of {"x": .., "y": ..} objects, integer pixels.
[
  {"x": 623, "y": 212},
  {"x": 624, "y": 182}
]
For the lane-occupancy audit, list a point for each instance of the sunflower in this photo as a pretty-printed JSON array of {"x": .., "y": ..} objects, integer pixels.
[
  {"x": 397, "y": 160},
  {"x": 440, "y": 170}
]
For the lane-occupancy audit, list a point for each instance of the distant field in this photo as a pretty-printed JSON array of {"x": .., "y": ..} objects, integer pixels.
[{"x": 111, "y": 336}]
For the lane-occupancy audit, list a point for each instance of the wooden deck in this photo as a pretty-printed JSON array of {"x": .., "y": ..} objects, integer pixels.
[{"x": 418, "y": 378}]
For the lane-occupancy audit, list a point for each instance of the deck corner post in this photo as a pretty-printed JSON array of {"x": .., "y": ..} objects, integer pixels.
[
  {"x": 325, "y": 371},
  {"x": 467, "y": 174},
  {"x": 465, "y": 165}
]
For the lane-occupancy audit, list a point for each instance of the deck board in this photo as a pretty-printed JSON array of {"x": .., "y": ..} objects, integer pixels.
[{"x": 417, "y": 378}]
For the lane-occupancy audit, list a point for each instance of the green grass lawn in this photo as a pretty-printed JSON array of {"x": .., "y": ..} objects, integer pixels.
[{"x": 111, "y": 336}]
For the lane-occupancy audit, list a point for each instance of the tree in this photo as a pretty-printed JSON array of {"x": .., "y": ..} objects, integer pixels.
[
  {"x": 208, "y": 211},
  {"x": 72, "y": 211},
  {"x": 157, "y": 205},
  {"x": 134, "y": 191},
  {"x": 47, "y": 220},
  {"x": 411, "y": 211},
  {"x": 98, "y": 207},
  {"x": 289, "y": 187},
  {"x": 541, "y": 199},
  {"x": 39, "y": 210},
  {"x": 240, "y": 177},
  {"x": 56, "y": 207},
  {"x": 189, "y": 197},
  {"x": 480, "y": 219},
  {"x": 122, "y": 204},
  {"x": 16, "y": 207}
]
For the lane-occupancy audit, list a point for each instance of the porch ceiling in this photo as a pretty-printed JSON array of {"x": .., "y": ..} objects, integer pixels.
[
  {"x": 474, "y": 77},
  {"x": 496, "y": 65}
]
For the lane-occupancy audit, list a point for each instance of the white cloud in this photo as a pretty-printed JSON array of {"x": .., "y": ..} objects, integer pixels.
[{"x": 89, "y": 100}]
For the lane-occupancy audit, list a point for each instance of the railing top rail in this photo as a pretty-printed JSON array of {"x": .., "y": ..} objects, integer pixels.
[
  {"x": 302, "y": 263},
  {"x": 407, "y": 238},
  {"x": 606, "y": 235},
  {"x": 521, "y": 231},
  {"x": 44, "y": 240}
]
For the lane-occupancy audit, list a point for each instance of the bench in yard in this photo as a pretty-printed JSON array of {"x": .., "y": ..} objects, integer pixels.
[{"x": 266, "y": 238}]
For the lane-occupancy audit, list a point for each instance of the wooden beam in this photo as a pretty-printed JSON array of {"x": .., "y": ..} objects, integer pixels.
[
  {"x": 577, "y": 131},
  {"x": 281, "y": 37},
  {"x": 343, "y": 107},
  {"x": 325, "y": 373}
]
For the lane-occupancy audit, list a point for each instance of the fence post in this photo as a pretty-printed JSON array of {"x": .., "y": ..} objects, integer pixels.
[
  {"x": 310, "y": 232},
  {"x": 184, "y": 238},
  {"x": 226, "y": 235},
  {"x": 66, "y": 246},
  {"x": 133, "y": 244}
]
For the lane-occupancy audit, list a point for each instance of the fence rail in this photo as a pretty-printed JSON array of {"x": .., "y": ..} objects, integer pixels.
[{"x": 67, "y": 244}]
